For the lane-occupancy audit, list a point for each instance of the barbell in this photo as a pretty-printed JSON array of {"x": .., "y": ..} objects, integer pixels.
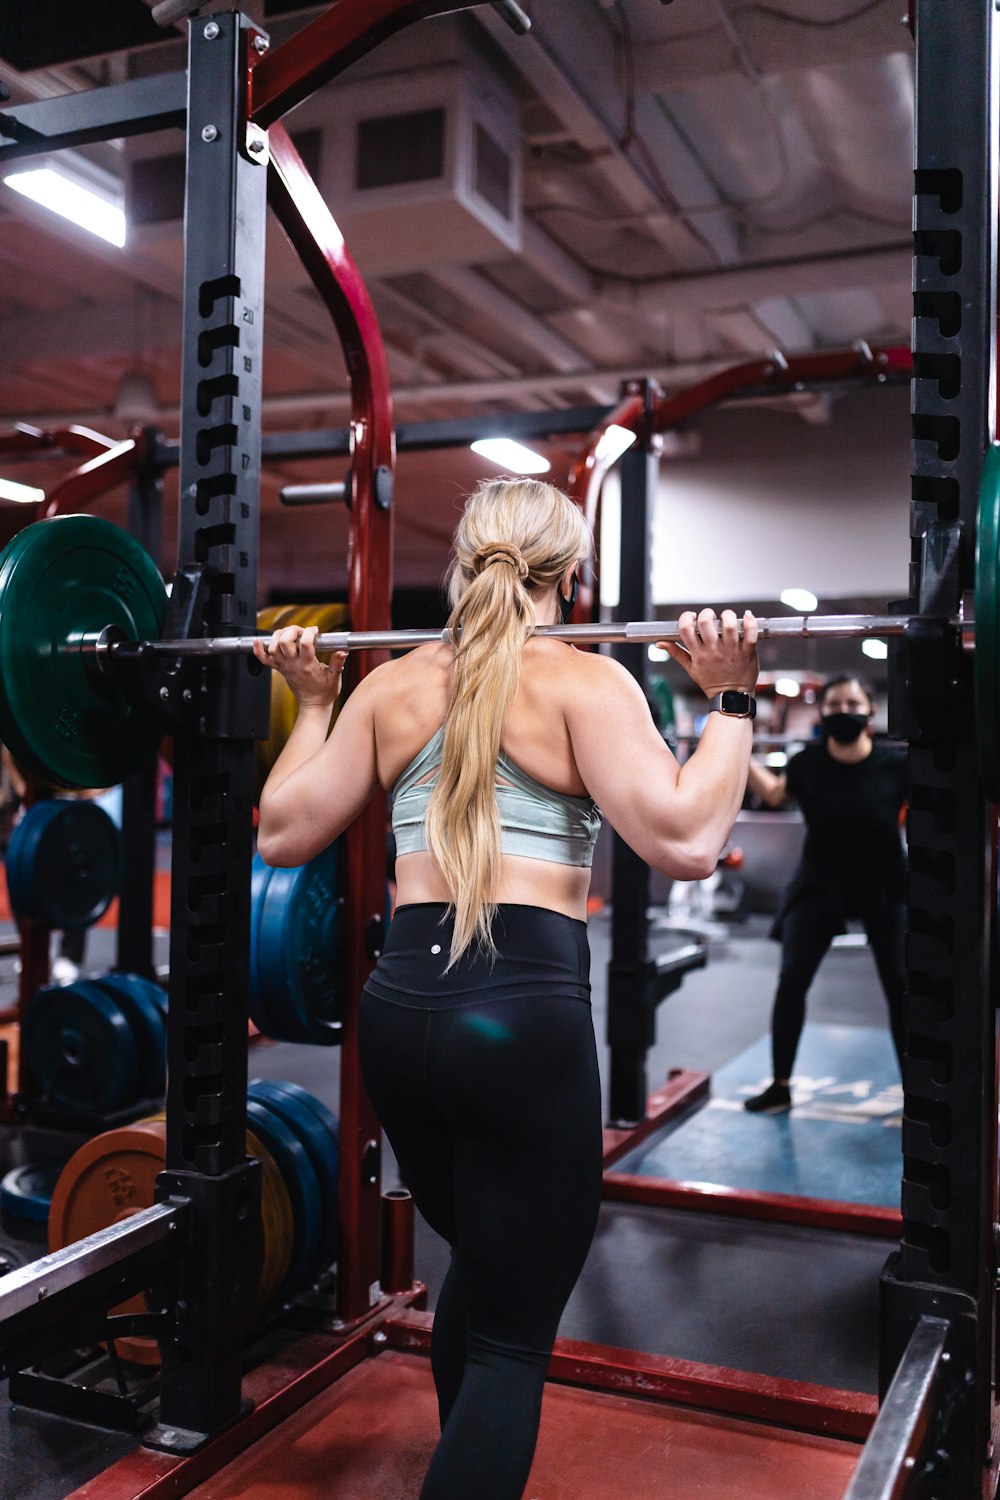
[
  {"x": 79, "y": 596},
  {"x": 106, "y": 646}
]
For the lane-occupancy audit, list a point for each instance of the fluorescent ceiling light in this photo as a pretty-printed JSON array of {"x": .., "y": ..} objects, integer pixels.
[
  {"x": 776, "y": 759},
  {"x": 70, "y": 198},
  {"x": 514, "y": 457},
  {"x": 613, "y": 442},
  {"x": 800, "y": 599},
  {"x": 22, "y": 493},
  {"x": 877, "y": 650},
  {"x": 787, "y": 687}
]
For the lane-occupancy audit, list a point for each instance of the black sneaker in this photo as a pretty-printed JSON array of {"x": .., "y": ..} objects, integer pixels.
[{"x": 775, "y": 1100}]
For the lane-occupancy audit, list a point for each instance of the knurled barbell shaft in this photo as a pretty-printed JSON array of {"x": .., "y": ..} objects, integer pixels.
[{"x": 637, "y": 632}]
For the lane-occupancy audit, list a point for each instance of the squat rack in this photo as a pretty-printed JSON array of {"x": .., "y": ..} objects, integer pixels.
[
  {"x": 946, "y": 1263},
  {"x": 233, "y": 88}
]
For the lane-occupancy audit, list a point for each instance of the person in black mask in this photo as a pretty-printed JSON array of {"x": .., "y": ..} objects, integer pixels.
[{"x": 851, "y": 791}]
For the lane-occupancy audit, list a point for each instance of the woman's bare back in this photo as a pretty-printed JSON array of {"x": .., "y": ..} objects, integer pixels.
[{"x": 411, "y": 706}]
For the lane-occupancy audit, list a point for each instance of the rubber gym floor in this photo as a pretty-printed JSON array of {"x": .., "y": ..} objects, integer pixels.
[{"x": 777, "y": 1300}]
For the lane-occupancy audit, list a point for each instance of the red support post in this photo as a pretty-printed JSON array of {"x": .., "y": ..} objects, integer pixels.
[
  {"x": 26, "y": 439},
  {"x": 309, "y": 225},
  {"x": 774, "y": 374},
  {"x": 113, "y": 466}
]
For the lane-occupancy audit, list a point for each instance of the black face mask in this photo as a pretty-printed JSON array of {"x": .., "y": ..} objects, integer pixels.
[
  {"x": 566, "y": 603},
  {"x": 844, "y": 728}
]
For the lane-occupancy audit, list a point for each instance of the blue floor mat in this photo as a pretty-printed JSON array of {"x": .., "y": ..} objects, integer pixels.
[{"x": 840, "y": 1141}]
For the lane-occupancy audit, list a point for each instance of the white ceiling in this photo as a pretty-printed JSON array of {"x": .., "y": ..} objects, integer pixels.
[{"x": 701, "y": 181}]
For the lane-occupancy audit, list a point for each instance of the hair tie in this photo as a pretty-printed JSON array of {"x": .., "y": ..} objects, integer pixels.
[{"x": 494, "y": 552}]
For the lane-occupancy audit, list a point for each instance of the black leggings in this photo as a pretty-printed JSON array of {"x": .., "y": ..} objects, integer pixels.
[
  {"x": 808, "y": 928},
  {"x": 486, "y": 1083}
]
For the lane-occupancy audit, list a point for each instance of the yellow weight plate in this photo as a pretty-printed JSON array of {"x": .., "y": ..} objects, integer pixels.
[
  {"x": 277, "y": 1219},
  {"x": 275, "y": 1212},
  {"x": 271, "y": 618},
  {"x": 284, "y": 704}
]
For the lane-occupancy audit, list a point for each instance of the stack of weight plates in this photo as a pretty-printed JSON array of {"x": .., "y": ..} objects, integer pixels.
[
  {"x": 302, "y": 1136},
  {"x": 63, "y": 864},
  {"x": 97, "y": 1045},
  {"x": 293, "y": 1136},
  {"x": 295, "y": 941}
]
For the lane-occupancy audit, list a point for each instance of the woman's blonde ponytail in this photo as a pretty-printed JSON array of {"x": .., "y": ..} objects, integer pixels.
[{"x": 515, "y": 536}]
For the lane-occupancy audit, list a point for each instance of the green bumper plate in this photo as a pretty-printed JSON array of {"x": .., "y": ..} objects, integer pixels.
[{"x": 62, "y": 580}]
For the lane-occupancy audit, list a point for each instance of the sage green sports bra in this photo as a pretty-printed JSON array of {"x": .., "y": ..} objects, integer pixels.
[{"x": 535, "y": 821}]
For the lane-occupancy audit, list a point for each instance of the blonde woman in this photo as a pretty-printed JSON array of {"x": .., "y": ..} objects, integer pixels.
[{"x": 476, "y": 1037}]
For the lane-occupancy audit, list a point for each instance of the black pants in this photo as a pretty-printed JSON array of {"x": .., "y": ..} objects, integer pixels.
[
  {"x": 486, "y": 1083},
  {"x": 811, "y": 921}
]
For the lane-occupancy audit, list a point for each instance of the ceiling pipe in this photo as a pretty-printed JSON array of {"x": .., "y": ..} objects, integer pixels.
[{"x": 327, "y": 403}]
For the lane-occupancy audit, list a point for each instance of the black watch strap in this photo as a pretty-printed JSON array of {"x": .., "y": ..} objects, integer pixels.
[{"x": 735, "y": 704}]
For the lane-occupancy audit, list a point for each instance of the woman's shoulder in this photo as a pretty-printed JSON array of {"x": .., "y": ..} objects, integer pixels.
[
  {"x": 403, "y": 672},
  {"x": 560, "y": 657}
]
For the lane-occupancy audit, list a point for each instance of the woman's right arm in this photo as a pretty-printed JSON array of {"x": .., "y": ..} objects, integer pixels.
[{"x": 676, "y": 817}]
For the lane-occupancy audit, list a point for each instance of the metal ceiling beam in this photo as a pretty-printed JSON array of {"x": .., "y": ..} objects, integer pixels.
[
  {"x": 520, "y": 323},
  {"x": 743, "y": 285}
]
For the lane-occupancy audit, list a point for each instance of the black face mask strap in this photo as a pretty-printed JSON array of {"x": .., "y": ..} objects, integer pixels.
[{"x": 566, "y": 603}]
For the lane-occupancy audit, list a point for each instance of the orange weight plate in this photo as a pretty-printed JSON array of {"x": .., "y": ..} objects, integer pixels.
[
  {"x": 112, "y": 1177},
  {"x": 108, "y": 1179}
]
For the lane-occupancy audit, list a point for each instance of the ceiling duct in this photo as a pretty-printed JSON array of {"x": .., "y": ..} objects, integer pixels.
[{"x": 425, "y": 168}]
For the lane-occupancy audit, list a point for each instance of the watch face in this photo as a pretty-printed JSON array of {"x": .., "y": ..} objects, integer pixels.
[{"x": 735, "y": 702}]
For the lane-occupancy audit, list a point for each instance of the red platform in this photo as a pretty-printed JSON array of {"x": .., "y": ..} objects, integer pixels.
[
  {"x": 355, "y": 1418},
  {"x": 370, "y": 1437}
]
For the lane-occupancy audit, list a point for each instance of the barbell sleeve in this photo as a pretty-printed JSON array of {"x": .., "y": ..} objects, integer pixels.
[
  {"x": 636, "y": 632},
  {"x": 314, "y": 494}
]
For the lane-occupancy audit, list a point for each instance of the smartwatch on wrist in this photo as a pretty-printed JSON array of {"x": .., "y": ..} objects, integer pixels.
[{"x": 734, "y": 703}]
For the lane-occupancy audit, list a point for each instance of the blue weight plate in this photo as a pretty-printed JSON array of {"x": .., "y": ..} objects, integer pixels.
[
  {"x": 26, "y": 1193},
  {"x": 67, "y": 864},
  {"x": 156, "y": 992},
  {"x": 260, "y": 1013},
  {"x": 270, "y": 1009},
  {"x": 298, "y": 949},
  {"x": 79, "y": 1047},
  {"x": 148, "y": 1027},
  {"x": 21, "y": 853},
  {"x": 299, "y": 1176},
  {"x": 316, "y": 1127}
]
